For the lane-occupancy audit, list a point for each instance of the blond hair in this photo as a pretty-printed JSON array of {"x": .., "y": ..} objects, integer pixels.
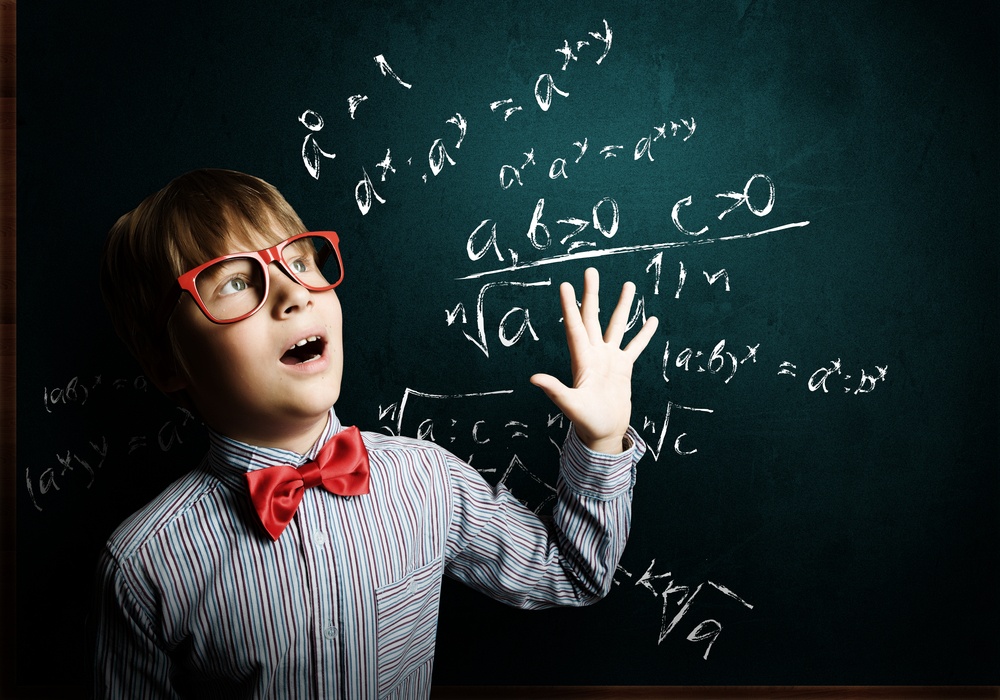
[{"x": 198, "y": 216}]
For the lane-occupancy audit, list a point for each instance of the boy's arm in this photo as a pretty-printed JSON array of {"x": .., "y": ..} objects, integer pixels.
[
  {"x": 600, "y": 401},
  {"x": 128, "y": 662},
  {"x": 498, "y": 546}
]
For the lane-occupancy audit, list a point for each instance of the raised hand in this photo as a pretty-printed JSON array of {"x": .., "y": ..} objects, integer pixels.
[{"x": 600, "y": 401}]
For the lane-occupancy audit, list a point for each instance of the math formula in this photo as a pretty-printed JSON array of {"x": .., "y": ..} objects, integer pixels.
[
  {"x": 506, "y": 261},
  {"x": 75, "y": 467}
]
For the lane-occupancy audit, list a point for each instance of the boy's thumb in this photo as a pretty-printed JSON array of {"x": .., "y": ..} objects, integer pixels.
[{"x": 550, "y": 385}]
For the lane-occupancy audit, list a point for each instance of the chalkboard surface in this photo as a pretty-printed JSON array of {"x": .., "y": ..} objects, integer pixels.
[{"x": 804, "y": 193}]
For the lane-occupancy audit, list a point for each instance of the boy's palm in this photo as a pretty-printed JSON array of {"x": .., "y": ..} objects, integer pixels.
[{"x": 600, "y": 401}]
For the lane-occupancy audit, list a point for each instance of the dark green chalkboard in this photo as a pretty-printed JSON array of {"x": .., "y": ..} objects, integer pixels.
[{"x": 805, "y": 194}]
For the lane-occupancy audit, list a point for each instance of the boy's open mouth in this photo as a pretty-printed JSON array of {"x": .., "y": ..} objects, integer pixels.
[{"x": 306, "y": 350}]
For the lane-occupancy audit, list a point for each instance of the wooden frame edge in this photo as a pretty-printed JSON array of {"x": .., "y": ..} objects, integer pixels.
[
  {"x": 715, "y": 692},
  {"x": 8, "y": 482},
  {"x": 8, "y": 337}
]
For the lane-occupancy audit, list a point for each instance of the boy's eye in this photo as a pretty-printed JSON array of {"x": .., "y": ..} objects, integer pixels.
[
  {"x": 300, "y": 265},
  {"x": 228, "y": 277},
  {"x": 234, "y": 285}
]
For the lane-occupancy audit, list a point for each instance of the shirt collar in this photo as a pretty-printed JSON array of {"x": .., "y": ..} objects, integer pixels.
[{"x": 230, "y": 459}]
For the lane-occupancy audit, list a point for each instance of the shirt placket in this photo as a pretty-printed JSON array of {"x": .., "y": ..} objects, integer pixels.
[{"x": 326, "y": 629}]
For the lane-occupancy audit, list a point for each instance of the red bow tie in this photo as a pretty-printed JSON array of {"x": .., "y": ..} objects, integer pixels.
[{"x": 341, "y": 467}]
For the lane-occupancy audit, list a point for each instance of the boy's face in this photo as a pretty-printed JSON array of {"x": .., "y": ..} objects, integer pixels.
[{"x": 269, "y": 379}]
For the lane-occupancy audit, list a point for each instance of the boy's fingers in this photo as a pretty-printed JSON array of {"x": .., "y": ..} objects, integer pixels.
[
  {"x": 591, "y": 304},
  {"x": 567, "y": 297},
  {"x": 572, "y": 323},
  {"x": 642, "y": 338},
  {"x": 619, "y": 318}
]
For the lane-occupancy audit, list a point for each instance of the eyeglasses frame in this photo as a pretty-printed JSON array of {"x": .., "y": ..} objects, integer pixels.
[{"x": 265, "y": 256}]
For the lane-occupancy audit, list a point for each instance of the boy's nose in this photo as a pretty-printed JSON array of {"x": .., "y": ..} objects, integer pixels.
[{"x": 286, "y": 295}]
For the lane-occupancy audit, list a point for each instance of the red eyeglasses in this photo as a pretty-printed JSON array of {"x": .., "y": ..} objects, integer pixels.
[{"x": 234, "y": 287}]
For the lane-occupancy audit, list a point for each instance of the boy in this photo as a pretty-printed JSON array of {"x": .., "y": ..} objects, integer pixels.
[{"x": 301, "y": 559}]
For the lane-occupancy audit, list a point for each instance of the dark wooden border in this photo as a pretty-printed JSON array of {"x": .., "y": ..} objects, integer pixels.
[
  {"x": 715, "y": 692},
  {"x": 8, "y": 481},
  {"x": 8, "y": 327}
]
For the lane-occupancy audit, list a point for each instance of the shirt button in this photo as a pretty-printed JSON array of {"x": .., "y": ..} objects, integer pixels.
[
  {"x": 330, "y": 632},
  {"x": 321, "y": 538}
]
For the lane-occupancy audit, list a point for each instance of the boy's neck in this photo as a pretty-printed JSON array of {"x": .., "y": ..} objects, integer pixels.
[{"x": 298, "y": 441}]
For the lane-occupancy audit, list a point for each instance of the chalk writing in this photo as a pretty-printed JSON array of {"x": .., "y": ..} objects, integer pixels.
[
  {"x": 545, "y": 84},
  {"x": 511, "y": 327},
  {"x": 311, "y": 152},
  {"x": 834, "y": 377},
  {"x": 365, "y": 194},
  {"x": 707, "y": 630},
  {"x": 499, "y": 315},
  {"x": 78, "y": 467},
  {"x": 71, "y": 465},
  {"x": 353, "y": 102},
  {"x": 456, "y": 421},
  {"x": 659, "y": 437},
  {"x": 656, "y": 266},
  {"x": 78, "y": 391},
  {"x": 606, "y": 220},
  {"x": 677, "y": 601},
  {"x": 508, "y": 111},
  {"x": 511, "y": 174},
  {"x": 383, "y": 66},
  {"x": 73, "y": 392},
  {"x": 516, "y": 468},
  {"x": 724, "y": 363},
  {"x": 719, "y": 361},
  {"x": 364, "y": 191},
  {"x": 397, "y": 411},
  {"x": 437, "y": 157}
]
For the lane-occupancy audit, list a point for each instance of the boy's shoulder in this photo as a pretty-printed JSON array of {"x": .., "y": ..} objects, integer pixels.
[
  {"x": 381, "y": 442},
  {"x": 399, "y": 454},
  {"x": 163, "y": 513}
]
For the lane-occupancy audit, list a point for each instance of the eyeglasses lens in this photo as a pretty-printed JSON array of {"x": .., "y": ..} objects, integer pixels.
[
  {"x": 231, "y": 288},
  {"x": 314, "y": 262}
]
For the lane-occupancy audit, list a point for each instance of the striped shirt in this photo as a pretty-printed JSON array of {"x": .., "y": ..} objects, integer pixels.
[{"x": 195, "y": 600}]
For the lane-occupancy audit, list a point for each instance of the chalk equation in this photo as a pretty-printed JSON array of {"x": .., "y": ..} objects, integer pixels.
[
  {"x": 724, "y": 364},
  {"x": 317, "y": 148},
  {"x": 545, "y": 85},
  {"x": 365, "y": 194},
  {"x": 835, "y": 374},
  {"x": 77, "y": 467},
  {"x": 469, "y": 424},
  {"x": 495, "y": 320},
  {"x": 511, "y": 175},
  {"x": 677, "y": 601},
  {"x": 515, "y": 322},
  {"x": 466, "y": 424},
  {"x": 656, "y": 438},
  {"x": 571, "y": 237},
  {"x": 77, "y": 391}
]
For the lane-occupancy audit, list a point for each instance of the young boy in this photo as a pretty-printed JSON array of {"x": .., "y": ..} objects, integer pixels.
[{"x": 301, "y": 559}]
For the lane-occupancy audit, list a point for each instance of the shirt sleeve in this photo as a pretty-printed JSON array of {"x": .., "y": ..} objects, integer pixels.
[
  {"x": 128, "y": 661},
  {"x": 499, "y": 547}
]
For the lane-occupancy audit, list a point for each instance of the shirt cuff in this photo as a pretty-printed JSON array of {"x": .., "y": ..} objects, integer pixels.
[{"x": 600, "y": 475}]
